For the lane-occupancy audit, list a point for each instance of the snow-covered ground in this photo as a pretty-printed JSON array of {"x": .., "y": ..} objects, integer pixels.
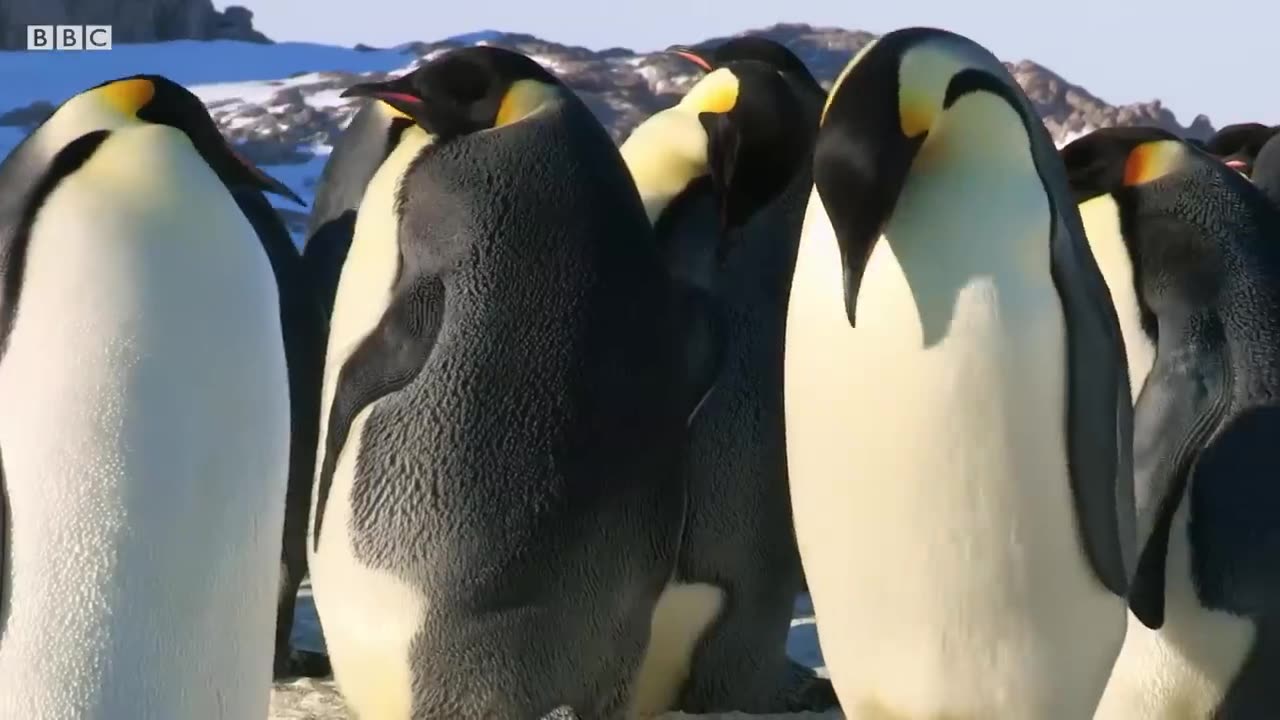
[{"x": 227, "y": 68}]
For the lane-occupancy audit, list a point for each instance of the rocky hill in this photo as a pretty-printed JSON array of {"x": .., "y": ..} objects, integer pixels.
[
  {"x": 624, "y": 87},
  {"x": 132, "y": 21},
  {"x": 292, "y": 120}
]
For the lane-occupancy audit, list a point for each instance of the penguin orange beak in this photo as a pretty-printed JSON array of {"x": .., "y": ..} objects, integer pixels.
[
  {"x": 395, "y": 93},
  {"x": 691, "y": 56}
]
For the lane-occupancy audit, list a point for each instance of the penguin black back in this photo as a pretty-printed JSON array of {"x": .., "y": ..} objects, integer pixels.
[{"x": 303, "y": 321}]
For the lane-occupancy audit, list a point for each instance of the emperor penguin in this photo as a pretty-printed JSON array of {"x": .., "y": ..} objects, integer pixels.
[
  {"x": 498, "y": 504},
  {"x": 368, "y": 139},
  {"x": 957, "y": 403},
  {"x": 812, "y": 97},
  {"x": 1189, "y": 250},
  {"x": 720, "y": 175},
  {"x": 144, "y": 416}
]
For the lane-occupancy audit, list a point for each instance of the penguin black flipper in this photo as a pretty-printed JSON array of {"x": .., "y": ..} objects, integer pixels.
[
  {"x": 1183, "y": 400},
  {"x": 388, "y": 359},
  {"x": 1099, "y": 455},
  {"x": 1233, "y": 527}
]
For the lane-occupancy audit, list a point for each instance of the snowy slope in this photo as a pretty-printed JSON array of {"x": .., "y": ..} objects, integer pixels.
[
  {"x": 282, "y": 99},
  {"x": 29, "y": 76}
]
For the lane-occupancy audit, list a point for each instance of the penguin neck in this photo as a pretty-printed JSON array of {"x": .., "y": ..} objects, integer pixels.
[
  {"x": 1101, "y": 220},
  {"x": 665, "y": 154},
  {"x": 79, "y": 116},
  {"x": 968, "y": 217}
]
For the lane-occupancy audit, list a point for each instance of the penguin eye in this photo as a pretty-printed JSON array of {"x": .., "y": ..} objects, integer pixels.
[{"x": 469, "y": 84}]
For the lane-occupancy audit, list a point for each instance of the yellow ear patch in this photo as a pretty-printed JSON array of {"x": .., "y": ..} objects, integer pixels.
[
  {"x": 128, "y": 96},
  {"x": 717, "y": 92},
  {"x": 522, "y": 99},
  {"x": 1151, "y": 161},
  {"x": 916, "y": 115}
]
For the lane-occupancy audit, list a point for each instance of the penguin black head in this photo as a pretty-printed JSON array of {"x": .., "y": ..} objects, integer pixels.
[
  {"x": 1238, "y": 145},
  {"x": 758, "y": 143},
  {"x": 750, "y": 47},
  {"x": 1146, "y": 168},
  {"x": 158, "y": 100},
  {"x": 910, "y": 96},
  {"x": 1163, "y": 189},
  {"x": 466, "y": 90},
  {"x": 737, "y": 132},
  {"x": 1098, "y": 163}
]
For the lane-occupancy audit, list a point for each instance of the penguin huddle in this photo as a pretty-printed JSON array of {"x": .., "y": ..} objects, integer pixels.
[{"x": 559, "y": 428}]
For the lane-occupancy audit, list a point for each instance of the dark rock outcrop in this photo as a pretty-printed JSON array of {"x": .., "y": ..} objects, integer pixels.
[{"x": 132, "y": 21}]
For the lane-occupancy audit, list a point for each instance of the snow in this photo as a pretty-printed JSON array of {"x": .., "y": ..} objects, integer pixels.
[
  {"x": 479, "y": 36},
  {"x": 1072, "y": 137},
  {"x": 224, "y": 67}
]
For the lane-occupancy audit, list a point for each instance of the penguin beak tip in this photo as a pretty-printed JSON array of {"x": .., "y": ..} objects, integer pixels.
[{"x": 691, "y": 56}]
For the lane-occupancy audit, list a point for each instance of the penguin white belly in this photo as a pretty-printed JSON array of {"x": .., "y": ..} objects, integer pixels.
[
  {"x": 1183, "y": 669},
  {"x": 927, "y": 457},
  {"x": 144, "y": 437},
  {"x": 369, "y": 615}
]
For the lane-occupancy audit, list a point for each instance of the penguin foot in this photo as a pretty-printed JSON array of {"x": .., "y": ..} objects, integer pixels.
[
  {"x": 806, "y": 692},
  {"x": 303, "y": 663}
]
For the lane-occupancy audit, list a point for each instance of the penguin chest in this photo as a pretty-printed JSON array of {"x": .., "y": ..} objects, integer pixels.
[
  {"x": 1184, "y": 669},
  {"x": 370, "y": 615},
  {"x": 145, "y": 437},
  {"x": 927, "y": 460}
]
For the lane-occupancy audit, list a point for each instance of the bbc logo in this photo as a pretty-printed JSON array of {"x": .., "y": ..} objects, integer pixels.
[{"x": 68, "y": 37}]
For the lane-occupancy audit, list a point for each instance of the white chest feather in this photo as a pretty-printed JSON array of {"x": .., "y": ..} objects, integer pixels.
[
  {"x": 370, "y": 617},
  {"x": 144, "y": 431},
  {"x": 1102, "y": 224},
  {"x": 927, "y": 456},
  {"x": 1181, "y": 671}
]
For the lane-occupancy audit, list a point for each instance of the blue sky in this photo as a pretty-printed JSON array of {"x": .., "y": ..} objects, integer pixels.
[{"x": 1211, "y": 60}]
